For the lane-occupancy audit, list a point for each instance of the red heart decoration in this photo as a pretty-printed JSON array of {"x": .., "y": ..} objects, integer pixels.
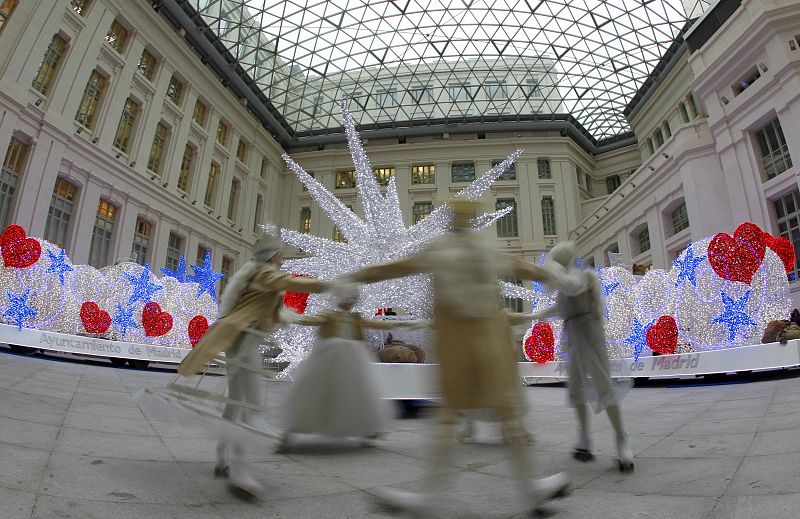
[
  {"x": 155, "y": 322},
  {"x": 197, "y": 328},
  {"x": 18, "y": 250},
  {"x": 297, "y": 301},
  {"x": 784, "y": 249},
  {"x": 662, "y": 337},
  {"x": 94, "y": 320},
  {"x": 540, "y": 345},
  {"x": 737, "y": 257}
]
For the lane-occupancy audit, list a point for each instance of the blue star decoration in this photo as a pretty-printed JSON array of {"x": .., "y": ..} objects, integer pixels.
[
  {"x": 538, "y": 286},
  {"x": 687, "y": 267},
  {"x": 18, "y": 307},
  {"x": 124, "y": 319},
  {"x": 206, "y": 277},
  {"x": 735, "y": 314},
  {"x": 58, "y": 264},
  {"x": 143, "y": 290},
  {"x": 638, "y": 337},
  {"x": 179, "y": 273},
  {"x": 608, "y": 289}
]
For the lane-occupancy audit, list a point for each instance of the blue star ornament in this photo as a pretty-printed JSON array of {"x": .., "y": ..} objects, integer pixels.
[
  {"x": 608, "y": 289},
  {"x": 58, "y": 264},
  {"x": 206, "y": 277},
  {"x": 735, "y": 314},
  {"x": 143, "y": 289},
  {"x": 638, "y": 337},
  {"x": 123, "y": 319},
  {"x": 179, "y": 273},
  {"x": 18, "y": 308},
  {"x": 687, "y": 265}
]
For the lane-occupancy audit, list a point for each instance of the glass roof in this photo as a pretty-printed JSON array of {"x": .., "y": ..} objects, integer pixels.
[{"x": 404, "y": 61}]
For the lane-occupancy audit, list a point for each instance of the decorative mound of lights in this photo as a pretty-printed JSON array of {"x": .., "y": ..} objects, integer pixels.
[
  {"x": 41, "y": 288},
  {"x": 720, "y": 293},
  {"x": 380, "y": 237}
]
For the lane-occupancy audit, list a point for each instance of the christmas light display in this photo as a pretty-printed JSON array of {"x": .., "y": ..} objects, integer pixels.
[{"x": 44, "y": 290}]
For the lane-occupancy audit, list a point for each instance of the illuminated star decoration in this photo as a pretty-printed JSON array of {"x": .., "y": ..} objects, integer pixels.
[
  {"x": 608, "y": 289},
  {"x": 124, "y": 319},
  {"x": 686, "y": 267},
  {"x": 538, "y": 286},
  {"x": 735, "y": 314},
  {"x": 143, "y": 289},
  {"x": 18, "y": 307},
  {"x": 58, "y": 264},
  {"x": 179, "y": 273},
  {"x": 638, "y": 337},
  {"x": 206, "y": 277}
]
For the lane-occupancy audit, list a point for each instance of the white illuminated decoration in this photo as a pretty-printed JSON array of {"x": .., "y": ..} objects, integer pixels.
[{"x": 379, "y": 237}]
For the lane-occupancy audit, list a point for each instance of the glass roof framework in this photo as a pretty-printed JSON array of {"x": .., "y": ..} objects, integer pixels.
[{"x": 404, "y": 61}]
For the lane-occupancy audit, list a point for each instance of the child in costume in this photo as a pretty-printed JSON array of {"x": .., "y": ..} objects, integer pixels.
[
  {"x": 335, "y": 391},
  {"x": 249, "y": 311},
  {"x": 579, "y": 303},
  {"x": 477, "y": 367}
]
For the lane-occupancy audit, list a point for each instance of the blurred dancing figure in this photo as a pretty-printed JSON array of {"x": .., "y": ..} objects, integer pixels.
[
  {"x": 249, "y": 310},
  {"x": 477, "y": 367},
  {"x": 580, "y": 304},
  {"x": 335, "y": 391}
]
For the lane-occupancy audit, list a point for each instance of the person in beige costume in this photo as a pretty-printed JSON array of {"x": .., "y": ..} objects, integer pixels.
[
  {"x": 249, "y": 310},
  {"x": 477, "y": 367}
]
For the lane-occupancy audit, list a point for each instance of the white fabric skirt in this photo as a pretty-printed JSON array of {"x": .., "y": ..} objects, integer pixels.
[{"x": 335, "y": 393}]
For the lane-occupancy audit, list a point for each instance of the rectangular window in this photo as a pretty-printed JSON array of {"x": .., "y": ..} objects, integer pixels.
[
  {"x": 241, "y": 151},
  {"x": 659, "y": 138},
  {"x": 233, "y": 200},
  {"x": 147, "y": 64},
  {"x": 337, "y": 234},
  {"x": 680, "y": 218},
  {"x": 543, "y": 166},
  {"x": 49, "y": 65},
  {"x": 420, "y": 211},
  {"x": 174, "y": 251},
  {"x": 462, "y": 172},
  {"x": 175, "y": 90},
  {"x": 650, "y": 147},
  {"x": 222, "y": 133},
  {"x": 100, "y": 246},
  {"x": 509, "y": 303},
  {"x": 548, "y": 216},
  {"x": 199, "y": 114},
  {"x": 787, "y": 211},
  {"x": 157, "y": 149},
  {"x": 125, "y": 126},
  {"x": 259, "y": 214},
  {"x": 117, "y": 37},
  {"x": 684, "y": 112},
  {"x": 211, "y": 185},
  {"x": 495, "y": 90},
  {"x": 507, "y": 225},
  {"x": 80, "y": 6},
  {"x": 141, "y": 241},
  {"x": 185, "y": 175},
  {"x": 345, "y": 179},
  {"x": 421, "y": 94},
  {"x": 644, "y": 240},
  {"x": 201, "y": 254},
  {"x": 90, "y": 100},
  {"x": 509, "y": 174},
  {"x": 533, "y": 89},
  {"x": 423, "y": 174},
  {"x": 13, "y": 165},
  {"x": 227, "y": 268},
  {"x": 459, "y": 92},
  {"x": 386, "y": 99},
  {"x": 264, "y": 168},
  {"x": 382, "y": 175},
  {"x": 774, "y": 151},
  {"x": 744, "y": 83},
  {"x": 305, "y": 220},
  {"x": 612, "y": 183},
  {"x": 58, "y": 216},
  {"x": 692, "y": 106},
  {"x": 667, "y": 129},
  {"x": 6, "y": 8}
]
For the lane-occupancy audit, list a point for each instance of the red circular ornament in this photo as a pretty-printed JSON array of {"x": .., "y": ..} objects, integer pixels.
[
  {"x": 155, "y": 322},
  {"x": 94, "y": 320},
  {"x": 737, "y": 257},
  {"x": 198, "y": 325},
  {"x": 19, "y": 251},
  {"x": 540, "y": 345},
  {"x": 662, "y": 337},
  {"x": 296, "y": 301}
]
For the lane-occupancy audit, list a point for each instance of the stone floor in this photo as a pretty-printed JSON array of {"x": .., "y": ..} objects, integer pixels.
[{"x": 73, "y": 443}]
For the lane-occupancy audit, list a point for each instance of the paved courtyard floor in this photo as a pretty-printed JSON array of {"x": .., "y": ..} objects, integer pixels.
[{"x": 73, "y": 443}]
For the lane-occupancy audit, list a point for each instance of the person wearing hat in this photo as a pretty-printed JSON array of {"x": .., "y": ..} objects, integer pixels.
[
  {"x": 580, "y": 304},
  {"x": 249, "y": 310},
  {"x": 477, "y": 368}
]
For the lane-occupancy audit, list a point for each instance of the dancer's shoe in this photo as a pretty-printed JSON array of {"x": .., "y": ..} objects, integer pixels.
[
  {"x": 624, "y": 453},
  {"x": 222, "y": 469},
  {"x": 540, "y": 491},
  {"x": 243, "y": 485},
  {"x": 284, "y": 445},
  {"x": 396, "y": 501},
  {"x": 583, "y": 447}
]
